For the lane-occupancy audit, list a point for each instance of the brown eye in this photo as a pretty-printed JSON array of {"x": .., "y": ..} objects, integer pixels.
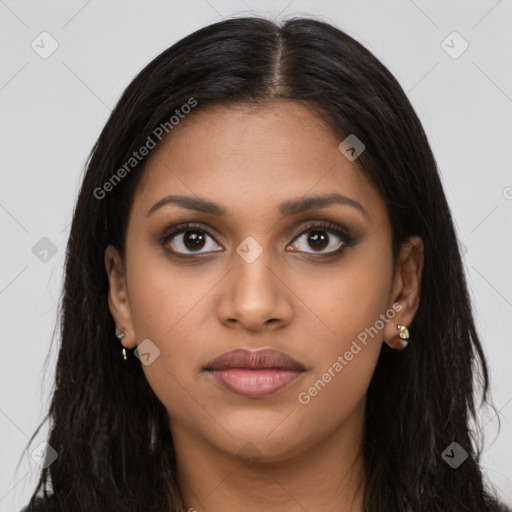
[
  {"x": 193, "y": 240},
  {"x": 322, "y": 239},
  {"x": 318, "y": 240},
  {"x": 189, "y": 240}
]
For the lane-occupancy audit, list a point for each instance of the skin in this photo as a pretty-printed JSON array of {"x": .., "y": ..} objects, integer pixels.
[{"x": 301, "y": 301}]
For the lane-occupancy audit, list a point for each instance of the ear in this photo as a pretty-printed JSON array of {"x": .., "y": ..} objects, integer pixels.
[
  {"x": 406, "y": 289},
  {"x": 118, "y": 300}
]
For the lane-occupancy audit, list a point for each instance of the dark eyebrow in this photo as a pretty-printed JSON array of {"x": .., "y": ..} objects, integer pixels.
[
  {"x": 291, "y": 207},
  {"x": 296, "y": 206},
  {"x": 191, "y": 203}
]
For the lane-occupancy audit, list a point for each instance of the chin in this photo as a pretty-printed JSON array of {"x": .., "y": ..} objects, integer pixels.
[{"x": 267, "y": 439}]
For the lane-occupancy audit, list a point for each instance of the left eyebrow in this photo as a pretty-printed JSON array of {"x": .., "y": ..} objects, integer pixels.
[
  {"x": 296, "y": 206},
  {"x": 290, "y": 207}
]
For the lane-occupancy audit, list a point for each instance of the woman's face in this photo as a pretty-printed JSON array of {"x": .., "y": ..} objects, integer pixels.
[{"x": 249, "y": 275}]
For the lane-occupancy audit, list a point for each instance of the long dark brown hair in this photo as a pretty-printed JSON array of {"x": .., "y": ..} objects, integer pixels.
[{"x": 115, "y": 450}]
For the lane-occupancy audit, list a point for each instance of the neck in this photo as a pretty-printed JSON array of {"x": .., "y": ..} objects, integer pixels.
[{"x": 328, "y": 475}]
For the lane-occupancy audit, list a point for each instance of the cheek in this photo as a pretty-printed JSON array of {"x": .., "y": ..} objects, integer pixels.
[
  {"x": 169, "y": 306},
  {"x": 345, "y": 359},
  {"x": 163, "y": 296},
  {"x": 165, "y": 309},
  {"x": 351, "y": 298},
  {"x": 347, "y": 330}
]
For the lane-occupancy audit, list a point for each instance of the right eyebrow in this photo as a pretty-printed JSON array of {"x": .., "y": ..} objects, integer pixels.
[{"x": 191, "y": 203}]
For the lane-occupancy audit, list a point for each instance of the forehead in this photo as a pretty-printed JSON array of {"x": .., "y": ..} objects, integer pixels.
[{"x": 250, "y": 158}]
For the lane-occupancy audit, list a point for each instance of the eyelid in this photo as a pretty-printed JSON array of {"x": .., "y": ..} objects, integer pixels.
[
  {"x": 185, "y": 226},
  {"x": 325, "y": 225},
  {"x": 339, "y": 231}
]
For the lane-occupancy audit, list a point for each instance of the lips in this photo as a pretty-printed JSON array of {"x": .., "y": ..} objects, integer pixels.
[
  {"x": 256, "y": 360},
  {"x": 254, "y": 374}
]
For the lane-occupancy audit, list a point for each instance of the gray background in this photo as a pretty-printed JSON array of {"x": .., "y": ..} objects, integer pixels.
[{"x": 54, "y": 108}]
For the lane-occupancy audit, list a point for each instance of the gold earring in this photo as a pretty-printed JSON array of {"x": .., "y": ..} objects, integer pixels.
[
  {"x": 120, "y": 337},
  {"x": 403, "y": 334}
]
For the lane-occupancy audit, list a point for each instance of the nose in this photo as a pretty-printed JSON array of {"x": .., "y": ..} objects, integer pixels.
[{"x": 255, "y": 297}]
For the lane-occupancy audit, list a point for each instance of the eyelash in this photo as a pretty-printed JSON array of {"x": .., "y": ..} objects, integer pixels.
[{"x": 346, "y": 239}]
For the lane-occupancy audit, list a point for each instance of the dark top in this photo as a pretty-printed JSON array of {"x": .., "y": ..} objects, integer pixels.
[{"x": 41, "y": 505}]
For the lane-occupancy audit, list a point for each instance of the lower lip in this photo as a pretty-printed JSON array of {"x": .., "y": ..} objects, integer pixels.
[{"x": 254, "y": 383}]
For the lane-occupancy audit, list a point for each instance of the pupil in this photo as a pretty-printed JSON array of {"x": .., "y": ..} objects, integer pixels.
[
  {"x": 319, "y": 239},
  {"x": 194, "y": 240}
]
